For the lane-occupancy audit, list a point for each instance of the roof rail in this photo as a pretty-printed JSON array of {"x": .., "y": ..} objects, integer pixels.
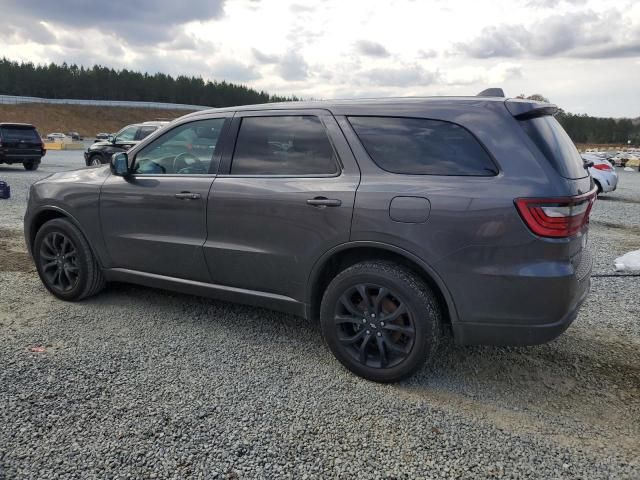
[{"x": 491, "y": 92}]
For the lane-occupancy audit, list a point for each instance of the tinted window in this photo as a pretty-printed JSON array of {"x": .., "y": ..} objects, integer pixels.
[
  {"x": 422, "y": 147},
  {"x": 15, "y": 134},
  {"x": 186, "y": 149},
  {"x": 144, "y": 132},
  {"x": 126, "y": 134},
  {"x": 283, "y": 145},
  {"x": 555, "y": 144}
]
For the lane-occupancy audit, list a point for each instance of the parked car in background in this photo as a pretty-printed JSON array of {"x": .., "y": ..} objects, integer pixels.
[
  {"x": 603, "y": 173},
  {"x": 75, "y": 136},
  {"x": 100, "y": 152},
  {"x": 390, "y": 221},
  {"x": 102, "y": 136},
  {"x": 21, "y": 143},
  {"x": 56, "y": 136}
]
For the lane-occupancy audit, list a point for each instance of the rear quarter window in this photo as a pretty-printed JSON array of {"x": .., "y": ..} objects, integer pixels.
[
  {"x": 419, "y": 146},
  {"x": 556, "y": 146}
]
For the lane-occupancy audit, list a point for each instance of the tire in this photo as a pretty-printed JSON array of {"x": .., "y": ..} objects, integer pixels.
[
  {"x": 598, "y": 186},
  {"x": 31, "y": 165},
  {"x": 396, "y": 347},
  {"x": 61, "y": 253},
  {"x": 95, "y": 160}
]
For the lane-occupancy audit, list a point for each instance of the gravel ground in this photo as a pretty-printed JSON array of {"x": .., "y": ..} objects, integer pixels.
[{"x": 142, "y": 383}]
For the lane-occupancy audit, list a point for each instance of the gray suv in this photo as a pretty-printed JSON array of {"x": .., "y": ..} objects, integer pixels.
[{"x": 393, "y": 222}]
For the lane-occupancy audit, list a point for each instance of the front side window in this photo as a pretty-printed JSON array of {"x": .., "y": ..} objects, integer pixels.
[
  {"x": 186, "y": 149},
  {"x": 417, "y": 146},
  {"x": 283, "y": 145},
  {"x": 126, "y": 134}
]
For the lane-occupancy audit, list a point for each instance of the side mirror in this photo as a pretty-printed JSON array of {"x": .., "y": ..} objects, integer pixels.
[
  {"x": 120, "y": 164},
  {"x": 111, "y": 138}
]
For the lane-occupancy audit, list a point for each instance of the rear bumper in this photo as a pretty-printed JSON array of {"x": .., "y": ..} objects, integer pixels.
[
  {"x": 526, "y": 310},
  {"x": 517, "y": 335},
  {"x": 20, "y": 158}
]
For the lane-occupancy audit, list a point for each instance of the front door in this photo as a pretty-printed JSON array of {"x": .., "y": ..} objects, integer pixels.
[
  {"x": 154, "y": 220},
  {"x": 284, "y": 196}
]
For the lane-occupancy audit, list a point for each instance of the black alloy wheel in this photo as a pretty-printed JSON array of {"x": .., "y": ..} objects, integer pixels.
[
  {"x": 380, "y": 320},
  {"x": 64, "y": 260},
  {"x": 59, "y": 261},
  {"x": 374, "y": 325}
]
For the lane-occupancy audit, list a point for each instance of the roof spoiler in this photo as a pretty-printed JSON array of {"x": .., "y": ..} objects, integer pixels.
[
  {"x": 524, "y": 109},
  {"x": 491, "y": 92}
]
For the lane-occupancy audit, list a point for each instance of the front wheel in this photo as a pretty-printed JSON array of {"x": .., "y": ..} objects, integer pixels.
[
  {"x": 380, "y": 320},
  {"x": 31, "y": 165},
  {"x": 65, "y": 263},
  {"x": 95, "y": 161}
]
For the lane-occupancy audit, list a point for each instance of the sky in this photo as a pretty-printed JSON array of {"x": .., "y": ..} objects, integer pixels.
[{"x": 584, "y": 55}]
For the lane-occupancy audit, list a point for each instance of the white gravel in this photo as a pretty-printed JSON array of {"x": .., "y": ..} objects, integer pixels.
[{"x": 139, "y": 383}]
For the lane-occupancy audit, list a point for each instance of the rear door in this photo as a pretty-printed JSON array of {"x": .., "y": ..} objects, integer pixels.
[
  {"x": 154, "y": 220},
  {"x": 284, "y": 197}
]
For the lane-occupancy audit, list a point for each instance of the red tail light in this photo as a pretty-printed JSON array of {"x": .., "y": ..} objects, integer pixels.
[
  {"x": 556, "y": 217},
  {"x": 603, "y": 166}
]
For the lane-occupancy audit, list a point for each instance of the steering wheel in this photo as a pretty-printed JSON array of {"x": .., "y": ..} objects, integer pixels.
[{"x": 181, "y": 162}]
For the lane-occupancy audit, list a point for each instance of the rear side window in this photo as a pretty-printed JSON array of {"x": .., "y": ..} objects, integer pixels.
[
  {"x": 556, "y": 145},
  {"x": 15, "y": 134},
  {"x": 283, "y": 145},
  {"x": 418, "y": 146},
  {"x": 144, "y": 132}
]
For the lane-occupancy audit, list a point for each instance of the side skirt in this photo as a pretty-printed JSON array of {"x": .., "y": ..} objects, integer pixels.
[{"x": 219, "y": 292}]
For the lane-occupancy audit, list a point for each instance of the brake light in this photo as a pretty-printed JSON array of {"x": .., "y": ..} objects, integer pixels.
[
  {"x": 556, "y": 217},
  {"x": 603, "y": 166}
]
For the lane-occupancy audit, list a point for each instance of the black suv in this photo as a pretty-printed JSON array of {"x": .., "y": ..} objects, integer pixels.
[
  {"x": 21, "y": 143},
  {"x": 100, "y": 152}
]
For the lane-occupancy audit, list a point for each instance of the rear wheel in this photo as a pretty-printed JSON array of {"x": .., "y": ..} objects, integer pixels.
[
  {"x": 598, "y": 186},
  {"x": 31, "y": 165},
  {"x": 65, "y": 262},
  {"x": 380, "y": 320}
]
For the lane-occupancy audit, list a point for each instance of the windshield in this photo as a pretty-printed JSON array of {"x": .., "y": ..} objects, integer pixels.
[
  {"x": 555, "y": 144},
  {"x": 15, "y": 134}
]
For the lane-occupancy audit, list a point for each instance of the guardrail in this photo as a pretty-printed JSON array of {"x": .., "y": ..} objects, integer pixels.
[{"x": 15, "y": 100}]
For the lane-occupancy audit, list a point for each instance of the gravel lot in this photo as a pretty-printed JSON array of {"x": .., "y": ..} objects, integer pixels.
[{"x": 139, "y": 383}]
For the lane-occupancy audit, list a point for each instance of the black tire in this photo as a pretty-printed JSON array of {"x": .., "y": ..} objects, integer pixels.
[
  {"x": 61, "y": 252},
  {"x": 95, "y": 160},
  {"x": 31, "y": 165},
  {"x": 400, "y": 345}
]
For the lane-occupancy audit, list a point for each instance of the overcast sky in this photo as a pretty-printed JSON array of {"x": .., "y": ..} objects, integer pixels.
[{"x": 582, "y": 54}]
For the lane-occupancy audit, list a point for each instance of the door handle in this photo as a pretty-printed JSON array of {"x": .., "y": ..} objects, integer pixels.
[
  {"x": 324, "y": 202},
  {"x": 187, "y": 196}
]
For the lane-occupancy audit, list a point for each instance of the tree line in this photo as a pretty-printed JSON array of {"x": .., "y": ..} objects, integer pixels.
[
  {"x": 104, "y": 83},
  {"x": 583, "y": 128}
]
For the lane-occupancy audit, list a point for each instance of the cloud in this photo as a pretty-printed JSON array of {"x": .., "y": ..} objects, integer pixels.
[
  {"x": 404, "y": 76},
  {"x": 427, "y": 53},
  {"x": 264, "y": 58},
  {"x": 234, "y": 71},
  {"x": 371, "y": 49},
  {"x": 292, "y": 66},
  {"x": 143, "y": 23},
  {"x": 578, "y": 34}
]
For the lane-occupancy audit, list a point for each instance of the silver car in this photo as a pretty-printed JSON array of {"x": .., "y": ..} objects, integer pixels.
[{"x": 603, "y": 173}]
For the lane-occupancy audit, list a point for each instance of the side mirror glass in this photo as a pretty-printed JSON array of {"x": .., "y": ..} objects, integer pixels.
[
  {"x": 120, "y": 164},
  {"x": 112, "y": 139}
]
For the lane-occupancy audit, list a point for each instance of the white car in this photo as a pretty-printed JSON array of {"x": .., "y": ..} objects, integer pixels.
[
  {"x": 56, "y": 136},
  {"x": 603, "y": 174}
]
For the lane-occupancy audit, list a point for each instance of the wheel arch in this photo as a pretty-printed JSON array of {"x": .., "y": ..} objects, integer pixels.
[
  {"x": 347, "y": 254},
  {"x": 51, "y": 212}
]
